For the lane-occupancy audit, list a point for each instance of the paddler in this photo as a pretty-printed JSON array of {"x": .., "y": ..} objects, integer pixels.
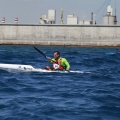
[{"x": 58, "y": 62}]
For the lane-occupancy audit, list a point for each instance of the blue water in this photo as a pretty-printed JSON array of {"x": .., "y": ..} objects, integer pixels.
[{"x": 93, "y": 94}]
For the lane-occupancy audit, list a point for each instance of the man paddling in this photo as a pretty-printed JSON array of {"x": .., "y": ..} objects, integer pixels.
[{"x": 58, "y": 62}]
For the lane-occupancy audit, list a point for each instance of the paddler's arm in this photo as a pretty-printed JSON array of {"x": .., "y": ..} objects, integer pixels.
[
  {"x": 67, "y": 64},
  {"x": 50, "y": 60}
]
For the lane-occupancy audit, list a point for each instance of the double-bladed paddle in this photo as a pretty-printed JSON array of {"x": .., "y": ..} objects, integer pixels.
[{"x": 41, "y": 52}]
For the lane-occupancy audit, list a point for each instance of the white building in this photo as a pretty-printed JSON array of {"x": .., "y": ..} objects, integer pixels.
[
  {"x": 109, "y": 18},
  {"x": 52, "y": 16},
  {"x": 43, "y": 19},
  {"x": 72, "y": 20},
  {"x": 85, "y": 22}
]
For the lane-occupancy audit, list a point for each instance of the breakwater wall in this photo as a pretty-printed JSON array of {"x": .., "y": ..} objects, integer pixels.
[{"x": 71, "y": 35}]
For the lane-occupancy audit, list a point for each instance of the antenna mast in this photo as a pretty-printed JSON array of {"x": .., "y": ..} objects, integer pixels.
[{"x": 115, "y": 14}]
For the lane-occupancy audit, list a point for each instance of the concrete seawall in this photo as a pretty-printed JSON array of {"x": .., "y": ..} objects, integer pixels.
[{"x": 71, "y": 35}]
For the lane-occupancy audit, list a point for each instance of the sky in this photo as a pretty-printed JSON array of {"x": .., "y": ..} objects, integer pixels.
[{"x": 29, "y": 11}]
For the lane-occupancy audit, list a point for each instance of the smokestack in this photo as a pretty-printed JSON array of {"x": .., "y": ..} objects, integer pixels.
[
  {"x": 3, "y": 20},
  {"x": 92, "y": 17},
  {"x": 16, "y": 20}
]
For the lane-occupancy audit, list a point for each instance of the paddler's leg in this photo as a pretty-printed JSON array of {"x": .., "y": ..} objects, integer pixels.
[{"x": 49, "y": 68}]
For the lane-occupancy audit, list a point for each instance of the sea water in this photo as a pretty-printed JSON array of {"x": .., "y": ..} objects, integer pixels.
[{"x": 92, "y": 94}]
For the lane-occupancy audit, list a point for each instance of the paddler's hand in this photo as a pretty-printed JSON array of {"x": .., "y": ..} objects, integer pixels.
[
  {"x": 48, "y": 58},
  {"x": 67, "y": 70}
]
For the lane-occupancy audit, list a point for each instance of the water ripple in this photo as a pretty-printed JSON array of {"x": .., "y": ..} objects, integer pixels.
[{"x": 92, "y": 94}]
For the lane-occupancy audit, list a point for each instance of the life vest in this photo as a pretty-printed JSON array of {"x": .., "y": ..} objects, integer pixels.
[{"x": 58, "y": 62}]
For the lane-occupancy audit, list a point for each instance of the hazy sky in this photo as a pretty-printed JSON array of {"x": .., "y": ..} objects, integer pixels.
[{"x": 29, "y": 11}]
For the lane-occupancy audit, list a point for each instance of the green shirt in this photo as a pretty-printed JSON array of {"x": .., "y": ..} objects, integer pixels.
[{"x": 64, "y": 63}]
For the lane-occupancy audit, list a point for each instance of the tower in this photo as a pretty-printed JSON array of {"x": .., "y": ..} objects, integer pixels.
[{"x": 61, "y": 17}]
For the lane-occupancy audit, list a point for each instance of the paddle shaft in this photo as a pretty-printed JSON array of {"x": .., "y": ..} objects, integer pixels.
[{"x": 40, "y": 52}]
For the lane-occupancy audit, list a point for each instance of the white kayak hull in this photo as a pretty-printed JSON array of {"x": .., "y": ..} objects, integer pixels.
[
  {"x": 29, "y": 68},
  {"x": 16, "y": 66},
  {"x": 21, "y": 68}
]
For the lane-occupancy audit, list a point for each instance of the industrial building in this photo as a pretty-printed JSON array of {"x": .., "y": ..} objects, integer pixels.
[
  {"x": 51, "y": 19},
  {"x": 72, "y": 20},
  {"x": 108, "y": 18},
  {"x": 73, "y": 33}
]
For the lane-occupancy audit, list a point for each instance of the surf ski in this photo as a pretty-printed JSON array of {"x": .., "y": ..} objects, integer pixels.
[
  {"x": 30, "y": 68},
  {"x": 21, "y": 68}
]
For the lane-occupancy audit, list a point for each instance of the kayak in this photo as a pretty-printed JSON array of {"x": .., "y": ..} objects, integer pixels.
[
  {"x": 29, "y": 68},
  {"x": 21, "y": 68}
]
